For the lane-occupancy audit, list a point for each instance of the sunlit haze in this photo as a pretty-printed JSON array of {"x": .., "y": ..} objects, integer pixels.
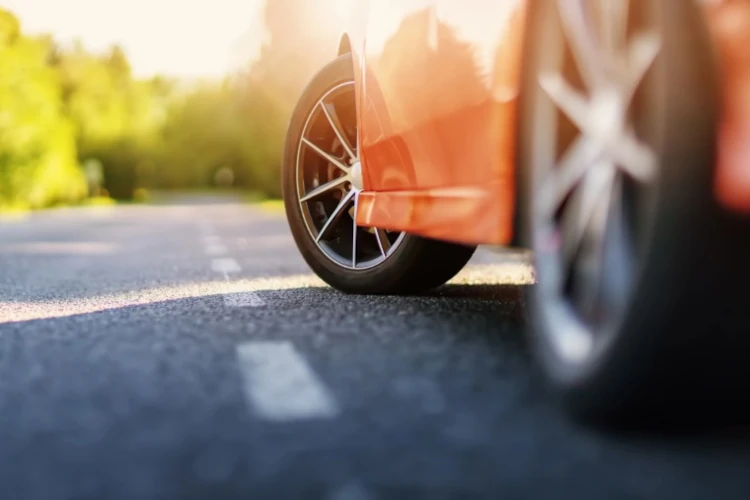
[{"x": 182, "y": 38}]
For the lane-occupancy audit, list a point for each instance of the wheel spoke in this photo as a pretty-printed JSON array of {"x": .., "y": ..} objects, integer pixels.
[
  {"x": 383, "y": 242},
  {"x": 559, "y": 183},
  {"x": 354, "y": 231},
  {"x": 325, "y": 188},
  {"x": 335, "y": 215},
  {"x": 333, "y": 119},
  {"x": 570, "y": 101},
  {"x": 582, "y": 43},
  {"x": 614, "y": 25},
  {"x": 635, "y": 157},
  {"x": 589, "y": 268},
  {"x": 331, "y": 159},
  {"x": 642, "y": 52},
  {"x": 582, "y": 207}
]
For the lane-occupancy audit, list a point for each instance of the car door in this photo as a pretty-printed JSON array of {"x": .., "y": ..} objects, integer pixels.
[
  {"x": 399, "y": 51},
  {"x": 480, "y": 41},
  {"x": 438, "y": 116}
]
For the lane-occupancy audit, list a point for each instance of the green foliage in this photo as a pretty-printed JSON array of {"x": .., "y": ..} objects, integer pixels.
[
  {"x": 61, "y": 108},
  {"x": 38, "y": 164},
  {"x": 118, "y": 119}
]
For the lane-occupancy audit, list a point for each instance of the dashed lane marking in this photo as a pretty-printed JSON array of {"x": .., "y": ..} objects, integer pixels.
[
  {"x": 280, "y": 385},
  {"x": 225, "y": 265},
  {"x": 215, "y": 249}
]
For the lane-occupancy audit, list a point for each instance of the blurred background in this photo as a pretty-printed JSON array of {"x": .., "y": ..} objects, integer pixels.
[{"x": 120, "y": 99}]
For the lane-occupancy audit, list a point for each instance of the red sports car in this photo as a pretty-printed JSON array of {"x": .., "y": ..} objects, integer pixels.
[{"x": 611, "y": 137}]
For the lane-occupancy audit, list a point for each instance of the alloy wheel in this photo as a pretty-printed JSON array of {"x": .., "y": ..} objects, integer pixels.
[
  {"x": 329, "y": 181},
  {"x": 593, "y": 175}
]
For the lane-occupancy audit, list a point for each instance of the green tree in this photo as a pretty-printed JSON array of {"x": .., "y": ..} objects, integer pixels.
[
  {"x": 38, "y": 165},
  {"x": 118, "y": 119},
  {"x": 61, "y": 107},
  {"x": 296, "y": 46}
]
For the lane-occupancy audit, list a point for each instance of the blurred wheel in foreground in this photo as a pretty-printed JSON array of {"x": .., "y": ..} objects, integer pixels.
[{"x": 617, "y": 151}]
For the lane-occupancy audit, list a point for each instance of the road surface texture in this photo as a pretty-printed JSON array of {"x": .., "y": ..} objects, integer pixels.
[{"x": 185, "y": 351}]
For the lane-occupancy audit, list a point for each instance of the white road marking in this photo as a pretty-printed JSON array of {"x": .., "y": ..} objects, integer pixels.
[
  {"x": 225, "y": 265},
  {"x": 248, "y": 299},
  {"x": 280, "y": 385},
  {"x": 215, "y": 249}
]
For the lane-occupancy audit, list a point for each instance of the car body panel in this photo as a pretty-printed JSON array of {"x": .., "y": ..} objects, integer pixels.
[
  {"x": 730, "y": 25},
  {"x": 435, "y": 143},
  {"x": 438, "y": 85}
]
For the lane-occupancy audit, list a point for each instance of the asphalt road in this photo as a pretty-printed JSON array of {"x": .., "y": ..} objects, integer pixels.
[{"x": 185, "y": 351}]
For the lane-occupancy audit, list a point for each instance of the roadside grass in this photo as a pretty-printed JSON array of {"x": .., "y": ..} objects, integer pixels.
[
  {"x": 272, "y": 206},
  {"x": 143, "y": 196},
  {"x": 251, "y": 197},
  {"x": 20, "y": 212},
  {"x": 99, "y": 201}
]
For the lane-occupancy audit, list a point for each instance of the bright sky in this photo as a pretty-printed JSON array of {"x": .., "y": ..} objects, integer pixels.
[{"x": 183, "y": 38}]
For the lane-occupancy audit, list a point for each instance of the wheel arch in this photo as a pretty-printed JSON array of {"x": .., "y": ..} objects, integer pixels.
[{"x": 345, "y": 45}]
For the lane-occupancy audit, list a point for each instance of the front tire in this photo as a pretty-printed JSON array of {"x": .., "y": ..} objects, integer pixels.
[
  {"x": 634, "y": 258},
  {"x": 321, "y": 175}
]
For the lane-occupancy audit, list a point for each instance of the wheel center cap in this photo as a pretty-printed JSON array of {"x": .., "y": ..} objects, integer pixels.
[{"x": 357, "y": 176}]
